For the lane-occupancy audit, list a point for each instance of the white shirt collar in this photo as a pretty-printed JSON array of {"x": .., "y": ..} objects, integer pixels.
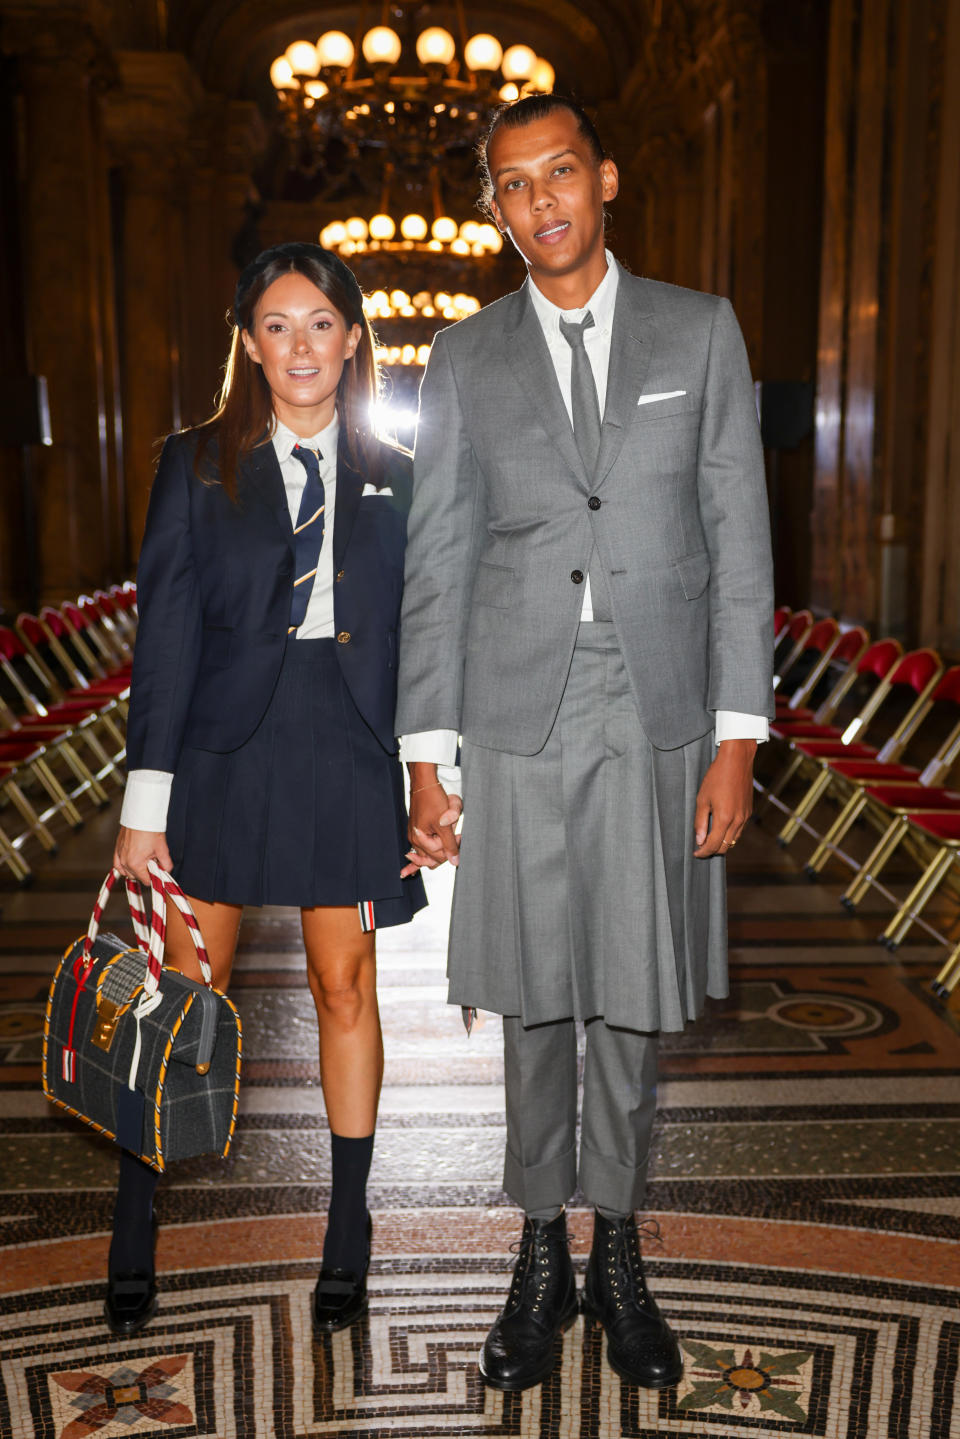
[
  {"x": 284, "y": 440},
  {"x": 600, "y": 304}
]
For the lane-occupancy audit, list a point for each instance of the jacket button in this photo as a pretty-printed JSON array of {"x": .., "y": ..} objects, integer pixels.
[
  {"x": 343, "y": 638},
  {"x": 593, "y": 503},
  {"x": 340, "y": 574},
  {"x": 577, "y": 577}
]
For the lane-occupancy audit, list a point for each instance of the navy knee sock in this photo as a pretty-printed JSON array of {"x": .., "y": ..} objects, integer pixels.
[
  {"x": 345, "y": 1243},
  {"x": 132, "y": 1243}
]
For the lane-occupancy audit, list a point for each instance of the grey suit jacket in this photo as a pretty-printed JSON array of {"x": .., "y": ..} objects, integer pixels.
[{"x": 500, "y": 525}]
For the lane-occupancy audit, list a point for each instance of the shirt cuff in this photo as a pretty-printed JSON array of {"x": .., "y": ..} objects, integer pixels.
[
  {"x": 732, "y": 725},
  {"x": 146, "y": 800},
  {"x": 436, "y": 746}
]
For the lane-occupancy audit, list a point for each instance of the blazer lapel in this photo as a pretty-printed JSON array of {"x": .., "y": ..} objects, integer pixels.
[
  {"x": 530, "y": 360},
  {"x": 631, "y": 348},
  {"x": 346, "y": 505},
  {"x": 260, "y": 477}
]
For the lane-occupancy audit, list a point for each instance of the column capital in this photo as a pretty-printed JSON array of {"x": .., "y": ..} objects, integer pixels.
[
  {"x": 58, "y": 34},
  {"x": 151, "y": 116}
]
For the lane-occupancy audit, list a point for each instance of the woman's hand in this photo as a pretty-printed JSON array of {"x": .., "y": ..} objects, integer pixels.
[
  {"x": 433, "y": 818},
  {"x": 135, "y": 847}
]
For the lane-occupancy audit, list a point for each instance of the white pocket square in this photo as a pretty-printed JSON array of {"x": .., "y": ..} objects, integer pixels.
[
  {"x": 665, "y": 395},
  {"x": 369, "y": 489}
]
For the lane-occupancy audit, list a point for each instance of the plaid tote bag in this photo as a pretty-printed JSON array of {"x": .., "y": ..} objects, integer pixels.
[{"x": 138, "y": 1051}]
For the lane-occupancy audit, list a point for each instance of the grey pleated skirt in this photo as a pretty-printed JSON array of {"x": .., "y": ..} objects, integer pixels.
[{"x": 578, "y": 893}]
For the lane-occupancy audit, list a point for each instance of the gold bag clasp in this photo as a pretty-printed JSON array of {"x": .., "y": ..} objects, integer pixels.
[{"x": 107, "y": 1015}]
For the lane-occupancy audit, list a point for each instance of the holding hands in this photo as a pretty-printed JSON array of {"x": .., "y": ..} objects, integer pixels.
[{"x": 433, "y": 819}]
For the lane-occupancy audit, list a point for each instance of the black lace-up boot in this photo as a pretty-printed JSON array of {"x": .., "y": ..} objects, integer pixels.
[
  {"x": 520, "y": 1349},
  {"x": 641, "y": 1347}
]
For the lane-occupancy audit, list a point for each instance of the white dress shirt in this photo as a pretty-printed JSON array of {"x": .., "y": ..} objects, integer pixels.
[
  {"x": 147, "y": 794},
  {"x": 440, "y": 746}
]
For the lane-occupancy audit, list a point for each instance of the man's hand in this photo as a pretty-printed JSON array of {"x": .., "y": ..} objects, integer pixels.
[
  {"x": 135, "y": 847},
  {"x": 725, "y": 800},
  {"x": 433, "y": 816}
]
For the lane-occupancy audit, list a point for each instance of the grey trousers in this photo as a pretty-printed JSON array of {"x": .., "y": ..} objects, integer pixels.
[{"x": 619, "y": 1103}]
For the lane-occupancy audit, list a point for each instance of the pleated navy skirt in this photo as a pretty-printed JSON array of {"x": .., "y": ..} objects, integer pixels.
[{"x": 309, "y": 811}]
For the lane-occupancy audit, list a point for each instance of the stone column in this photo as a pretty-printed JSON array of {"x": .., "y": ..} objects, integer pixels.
[
  {"x": 68, "y": 314},
  {"x": 149, "y": 124}
]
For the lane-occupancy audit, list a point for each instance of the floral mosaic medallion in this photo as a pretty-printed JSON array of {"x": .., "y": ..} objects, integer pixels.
[
  {"x": 126, "y": 1399},
  {"x": 746, "y": 1382}
]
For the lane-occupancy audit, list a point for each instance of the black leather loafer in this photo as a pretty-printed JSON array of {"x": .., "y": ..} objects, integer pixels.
[
  {"x": 521, "y": 1348},
  {"x": 131, "y": 1301},
  {"x": 641, "y": 1346},
  {"x": 340, "y": 1296}
]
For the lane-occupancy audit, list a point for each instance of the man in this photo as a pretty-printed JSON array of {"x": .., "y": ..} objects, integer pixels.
[{"x": 589, "y": 603}]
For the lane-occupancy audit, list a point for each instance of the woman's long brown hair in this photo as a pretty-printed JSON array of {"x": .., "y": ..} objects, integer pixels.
[{"x": 243, "y": 418}]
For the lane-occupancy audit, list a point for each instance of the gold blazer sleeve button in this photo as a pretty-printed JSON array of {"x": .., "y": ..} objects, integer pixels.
[
  {"x": 340, "y": 574},
  {"x": 343, "y": 638}
]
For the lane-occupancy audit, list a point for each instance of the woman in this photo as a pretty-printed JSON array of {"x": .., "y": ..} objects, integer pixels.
[{"x": 260, "y": 737}]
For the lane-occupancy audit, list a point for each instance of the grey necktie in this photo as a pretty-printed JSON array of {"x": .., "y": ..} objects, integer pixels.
[{"x": 583, "y": 393}]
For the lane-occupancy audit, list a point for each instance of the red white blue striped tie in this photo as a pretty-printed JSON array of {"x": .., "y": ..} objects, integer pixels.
[{"x": 307, "y": 534}]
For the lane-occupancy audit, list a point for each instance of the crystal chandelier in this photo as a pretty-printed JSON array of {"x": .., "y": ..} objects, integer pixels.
[
  {"x": 381, "y": 233},
  {"x": 412, "y": 96}
]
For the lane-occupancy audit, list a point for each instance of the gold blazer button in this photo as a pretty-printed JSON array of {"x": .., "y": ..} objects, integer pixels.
[{"x": 343, "y": 638}]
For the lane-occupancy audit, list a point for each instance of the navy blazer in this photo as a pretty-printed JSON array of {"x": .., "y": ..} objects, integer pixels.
[{"x": 214, "y": 588}]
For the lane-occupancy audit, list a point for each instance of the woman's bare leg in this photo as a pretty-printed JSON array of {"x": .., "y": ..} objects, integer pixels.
[
  {"x": 219, "y": 926},
  {"x": 342, "y": 974}
]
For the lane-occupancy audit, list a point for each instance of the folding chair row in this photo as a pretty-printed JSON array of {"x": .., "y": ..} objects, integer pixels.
[
  {"x": 909, "y": 804},
  {"x": 64, "y": 685}
]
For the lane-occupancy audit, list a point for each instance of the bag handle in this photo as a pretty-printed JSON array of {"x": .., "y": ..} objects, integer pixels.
[
  {"x": 165, "y": 885},
  {"x": 137, "y": 913},
  {"x": 150, "y": 938}
]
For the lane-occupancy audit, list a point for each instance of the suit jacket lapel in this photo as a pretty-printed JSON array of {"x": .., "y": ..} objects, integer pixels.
[
  {"x": 530, "y": 360},
  {"x": 260, "y": 477},
  {"x": 631, "y": 348},
  {"x": 346, "y": 505}
]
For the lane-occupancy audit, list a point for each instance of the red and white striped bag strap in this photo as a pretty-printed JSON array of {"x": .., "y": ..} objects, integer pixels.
[
  {"x": 163, "y": 885},
  {"x": 137, "y": 914}
]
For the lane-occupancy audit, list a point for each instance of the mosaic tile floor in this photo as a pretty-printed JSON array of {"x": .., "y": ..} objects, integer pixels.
[{"x": 806, "y": 1179}]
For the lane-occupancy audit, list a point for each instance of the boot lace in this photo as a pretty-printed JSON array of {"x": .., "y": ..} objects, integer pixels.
[
  {"x": 533, "y": 1268},
  {"x": 623, "y": 1261}
]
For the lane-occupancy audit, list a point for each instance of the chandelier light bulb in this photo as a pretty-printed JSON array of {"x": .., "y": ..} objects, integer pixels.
[
  {"x": 303, "y": 58},
  {"x": 483, "y": 52},
  {"x": 381, "y": 46},
  {"x": 543, "y": 76},
  {"x": 435, "y": 46},
  {"x": 460, "y": 246},
  {"x": 444, "y": 229},
  {"x": 518, "y": 62},
  {"x": 382, "y": 228},
  {"x": 335, "y": 50},
  {"x": 470, "y": 231},
  {"x": 356, "y": 228},
  {"x": 281, "y": 75},
  {"x": 336, "y": 234},
  {"x": 509, "y": 92},
  {"x": 413, "y": 227},
  {"x": 423, "y": 354},
  {"x": 399, "y": 298},
  {"x": 316, "y": 89}
]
